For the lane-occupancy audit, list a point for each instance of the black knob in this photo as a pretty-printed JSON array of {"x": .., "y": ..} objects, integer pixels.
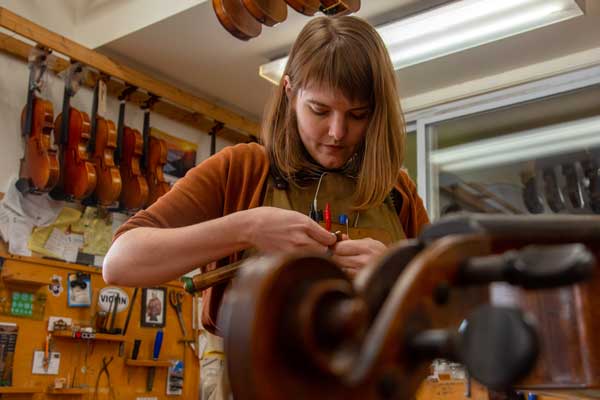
[
  {"x": 533, "y": 267},
  {"x": 498, "y": 345}
]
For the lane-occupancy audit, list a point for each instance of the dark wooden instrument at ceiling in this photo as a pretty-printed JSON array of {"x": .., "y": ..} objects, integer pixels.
[
  {"x": 306, "y": 7},
  {"x": 267, "y": 12},
  {"x": 513, "y": 298},
  {"x": 339, "y": 7},
  {"x": 243, "y": 18},
  {"x": 102, "y": 145},
  {"x": 39, "y": 170},
  {"x": 130, "y": 147},
  {"x": 236, "y": 19},
  {"x": 78, "y": 175},
  {"x": 154, "y": 159}
]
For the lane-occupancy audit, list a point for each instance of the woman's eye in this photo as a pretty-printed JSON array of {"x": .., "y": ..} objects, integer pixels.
[
  {"x": 318, "y": 111},
  {"x": 359, "y": 116}
]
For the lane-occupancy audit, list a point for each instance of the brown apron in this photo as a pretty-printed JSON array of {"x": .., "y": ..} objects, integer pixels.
[{"x": 381, "y": 223}]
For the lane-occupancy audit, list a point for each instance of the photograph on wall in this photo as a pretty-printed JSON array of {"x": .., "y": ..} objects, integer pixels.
[
  {"x": 79, "y": 289},
  {"x": 153, "y": 307},
  {"x": 181, "y": 155}
]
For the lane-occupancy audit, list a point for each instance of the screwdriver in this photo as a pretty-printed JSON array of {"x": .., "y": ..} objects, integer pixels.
[
  {"x": 152, "y": 370},
  {"x": 327, "y": 217},
  {"x": 134, "y": 355}
]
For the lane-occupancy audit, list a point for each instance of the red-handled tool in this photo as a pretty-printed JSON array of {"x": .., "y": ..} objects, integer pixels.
[{"x": 327, "y": 217}]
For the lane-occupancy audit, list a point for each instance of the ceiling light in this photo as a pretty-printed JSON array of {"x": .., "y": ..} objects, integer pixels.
[
  {"x": 535, "y": 144},
  {"x": 455, "y": 27}
]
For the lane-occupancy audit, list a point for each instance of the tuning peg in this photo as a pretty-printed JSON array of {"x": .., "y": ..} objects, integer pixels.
[
  {"x": 498, "y": 345},
  {"x": 533, "y": 267}
]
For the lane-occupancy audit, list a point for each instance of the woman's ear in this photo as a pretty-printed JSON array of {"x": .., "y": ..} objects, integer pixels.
[{"x": 287, "y": 85}]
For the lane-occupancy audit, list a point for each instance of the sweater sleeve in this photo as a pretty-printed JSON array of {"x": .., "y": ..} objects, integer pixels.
[{"x": 413, "y": 215}]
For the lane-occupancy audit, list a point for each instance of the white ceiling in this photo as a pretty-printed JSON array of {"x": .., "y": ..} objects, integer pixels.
[{"x": 193, "y": 51}]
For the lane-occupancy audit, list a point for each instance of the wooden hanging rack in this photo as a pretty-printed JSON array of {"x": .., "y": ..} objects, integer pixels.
[{"x": 238, "y": 128}]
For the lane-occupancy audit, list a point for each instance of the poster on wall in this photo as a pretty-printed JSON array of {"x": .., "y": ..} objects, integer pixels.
[{"x": 181, "y": 155}]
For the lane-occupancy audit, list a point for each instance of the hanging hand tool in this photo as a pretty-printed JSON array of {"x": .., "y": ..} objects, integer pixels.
[
  {"x": 104, "y": 370},
  {"x": 152, "y": 370},
  {"x": 131, "y": 305},
  {"x": 176, "y": 301},
  {"x": 134, "y": 355}
]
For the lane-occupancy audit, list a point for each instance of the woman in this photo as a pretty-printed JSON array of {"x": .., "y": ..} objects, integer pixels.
[{"x": 333, "y": 137}]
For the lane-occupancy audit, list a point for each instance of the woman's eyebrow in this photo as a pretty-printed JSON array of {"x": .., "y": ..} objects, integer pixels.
[{"x": 320, "y": 104}]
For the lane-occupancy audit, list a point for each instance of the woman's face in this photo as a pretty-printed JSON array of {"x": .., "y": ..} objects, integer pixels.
[{"x": 331, "y": 127}]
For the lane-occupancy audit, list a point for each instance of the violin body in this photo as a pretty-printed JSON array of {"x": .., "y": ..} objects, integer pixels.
[
  {"x": 236, "y": 19},
  {"x": 78, "y": 175},
  {"x": 340, "y": 7},
  {"x": 267, "y": 12},
  {"x": 134, "y": 192},
  {"x": 306, "y": 7},
  {"x": 108, "y": 186},
  {"x": 157, "y": 158},
  {"x": 296, "y": 327},
  {"x": 40, "y": 166}
]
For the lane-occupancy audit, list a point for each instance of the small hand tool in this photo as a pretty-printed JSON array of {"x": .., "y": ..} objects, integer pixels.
[
  {"x": 104, "y": 370},
  {"x": 343, "y": 219},
  {"x": 176, "y": 301},
  {"x": 134, "y": 355},
  {"x": 327, "y": 217},
  {"x": 131, "y": 305},
  {"x": 152, "y": 370}
]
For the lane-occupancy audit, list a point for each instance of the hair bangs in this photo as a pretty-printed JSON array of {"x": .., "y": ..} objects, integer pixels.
[{"x": 340, "y": 66}]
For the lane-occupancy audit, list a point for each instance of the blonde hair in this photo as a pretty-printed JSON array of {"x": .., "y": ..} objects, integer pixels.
[{"x": 345, "y": 54}]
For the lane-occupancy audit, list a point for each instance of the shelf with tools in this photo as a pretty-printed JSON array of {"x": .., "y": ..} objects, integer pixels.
[
  {"x": 96, "y": 336},
  {"x": 20, "y": 390},
  {"x": 148, "y": 363},
  {"x": 68, "y": 391}
]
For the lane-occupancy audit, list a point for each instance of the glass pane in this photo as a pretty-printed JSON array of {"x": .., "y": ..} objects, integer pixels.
[
  {"x": 410, "y": 154},
  {"x": 537, "y": 157}
]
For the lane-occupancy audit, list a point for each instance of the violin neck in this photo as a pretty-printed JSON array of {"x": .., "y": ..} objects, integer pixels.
[
  {"x": 120, "y": 128},
  {"x": 146, "y": 137},
  {"x": 31, "y": 87},
  {"x": 94, "y": 122},
  {"x": 66, "y": 108}
]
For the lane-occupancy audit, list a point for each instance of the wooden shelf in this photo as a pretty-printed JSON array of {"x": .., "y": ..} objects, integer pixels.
[
  {"x": 19, "y": 390},
  {"x": 148, "y": 363},
  {"x": 99, "y": 336},
  {"x": 68, "y": 391}
]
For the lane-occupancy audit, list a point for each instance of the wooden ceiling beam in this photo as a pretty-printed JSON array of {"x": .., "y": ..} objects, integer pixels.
[
  {"x": 195, "y": 120},
  {"x": 102, "y": 63}
]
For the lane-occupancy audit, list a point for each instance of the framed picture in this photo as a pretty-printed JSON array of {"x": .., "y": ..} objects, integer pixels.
[
  {"x": 153, "y": 307},
  {"x": 181, "y": 155},
  {"x": 79, "y": 289}
]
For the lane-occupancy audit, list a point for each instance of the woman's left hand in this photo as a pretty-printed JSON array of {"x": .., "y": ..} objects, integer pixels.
[{"x": 352, "y": 255}]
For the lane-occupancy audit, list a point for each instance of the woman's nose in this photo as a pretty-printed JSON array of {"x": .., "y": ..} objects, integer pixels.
[{"x": 338, "y": 127}]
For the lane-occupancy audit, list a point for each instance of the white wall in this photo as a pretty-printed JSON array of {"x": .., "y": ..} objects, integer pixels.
[{"x": 13, "y": 95}]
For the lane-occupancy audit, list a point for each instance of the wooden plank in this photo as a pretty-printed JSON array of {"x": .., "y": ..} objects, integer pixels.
[
  {"x": 63, "y": 45},
  {"x": 20, "y": 390},
  {"x": 21, "y": 50}
]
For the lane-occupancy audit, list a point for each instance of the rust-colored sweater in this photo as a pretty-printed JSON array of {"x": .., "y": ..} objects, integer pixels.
[{"x": 233, "y": 180}]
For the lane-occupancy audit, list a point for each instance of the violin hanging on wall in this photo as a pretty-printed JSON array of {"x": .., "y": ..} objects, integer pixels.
[
  {"x": 78, "y": 175},
  {"x": 154, "y": 158},
  {"x": 40, "y": 169},
  {"x": 102, "y": 145},
  {"x": 130, "y": 146}
]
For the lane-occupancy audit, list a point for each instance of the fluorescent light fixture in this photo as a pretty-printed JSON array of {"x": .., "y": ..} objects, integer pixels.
[
  {"x": 520, "y": 147},
  {"x": 455, "y": 27}
]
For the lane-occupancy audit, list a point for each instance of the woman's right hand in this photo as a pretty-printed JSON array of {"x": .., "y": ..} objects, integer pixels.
[{"x": 273, "y": 229}]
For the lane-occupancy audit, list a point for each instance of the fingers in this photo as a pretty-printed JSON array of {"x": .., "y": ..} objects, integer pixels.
[{"x": 320, "y": 234}]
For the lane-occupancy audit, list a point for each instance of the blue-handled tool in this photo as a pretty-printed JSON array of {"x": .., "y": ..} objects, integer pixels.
[{"x": 152, "y": 370}]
